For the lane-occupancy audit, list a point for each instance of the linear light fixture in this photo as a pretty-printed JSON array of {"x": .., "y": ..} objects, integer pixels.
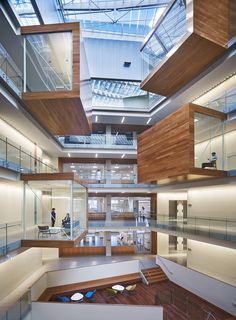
[
  {"x": 149, "y": 120},
  {"x": 96, "y": 155},
  {"x": 123, "y": 155},
  {"x": 96, "y": 119},
  {"x": 122, "y": 120},
  {"x": 68, "y": 154}
]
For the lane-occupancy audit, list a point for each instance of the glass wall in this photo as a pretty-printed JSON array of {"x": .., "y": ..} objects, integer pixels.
[
  {"x": 168, "y": 32},
  {"x": 48, "y": 62},
  {"x": 208, "y": 142},
  {"x": 66, "y": 221}
]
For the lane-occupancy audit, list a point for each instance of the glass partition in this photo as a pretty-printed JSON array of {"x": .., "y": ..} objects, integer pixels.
[
  {"x": 54, "y": 209},
  {"x": 170, "y": 28},
  {"x": 48, "y": 62},
  {"x": 208, "y": 142}
]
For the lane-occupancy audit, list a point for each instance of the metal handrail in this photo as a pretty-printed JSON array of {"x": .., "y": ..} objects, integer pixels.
[{"x": 9, "y": 225}]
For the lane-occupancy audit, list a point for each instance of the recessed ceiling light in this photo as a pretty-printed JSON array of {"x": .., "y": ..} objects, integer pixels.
[
  {"x": 96, "y": 155},
  {"x": 122, "y": 120},
  {"x": 72, "y": 167},
  {"x": 196, "y": 120},
  {"x": 73, "y": 170},
  {"x": 96, "y": 119}
]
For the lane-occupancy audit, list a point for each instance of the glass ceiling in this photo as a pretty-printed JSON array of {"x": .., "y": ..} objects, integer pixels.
[
  {"x": 130, "y": 17},
  {"x": 25, "y": 12},
  {"x": 122, "y": 94}
]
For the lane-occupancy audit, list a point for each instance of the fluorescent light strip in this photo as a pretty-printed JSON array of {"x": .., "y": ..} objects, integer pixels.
[
  {"x": 122, "y": 120},
  {"x": 96, "y": 155},
  {"x": 149, "y": 120},
  {"x": 123, "y": 155},
  {"x": 68, "y": 154},
  {"x": 96, "y": 119}
]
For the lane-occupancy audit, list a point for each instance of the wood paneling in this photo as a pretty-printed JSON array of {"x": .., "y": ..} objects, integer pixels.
[
  {"x": 153, "y": 242},
  {"x": 62, "y": 112},
  {"x": 121, "y": 128},
  {"x": 123, "y": 250},
  {"x": 59, "y": 116},
  {"x": 97, "y": 216},
  {"x": 82, "y": 251},
  {"x": 49, "y": 176},
  {"x": 120, "y": 194},
  {"x": 123, "y": 216},
  {"x": 166, "y": 151},
  {"x": 191, "y": 57},
  {"x": 212, "y": 24},
  {"x": 47, "y": 243}
]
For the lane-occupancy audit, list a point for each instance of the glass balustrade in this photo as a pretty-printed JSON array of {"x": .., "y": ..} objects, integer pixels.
[
  {"x": 15, "y": 158},
  {"x": 9, "y": 71},
  {"x": 20, "y": 310},
  {"x": 169, "y": 30},
  {"x": 10, "y": 237},
  {"x": 101, "y": 140}
]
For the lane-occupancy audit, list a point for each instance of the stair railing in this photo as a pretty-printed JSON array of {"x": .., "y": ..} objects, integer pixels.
[{"x": 144, "y": 279}]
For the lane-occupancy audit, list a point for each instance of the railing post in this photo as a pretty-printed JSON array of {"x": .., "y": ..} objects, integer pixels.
[
  {"x": 6, "y": 240},
  {"x": 6, "y": 153}
]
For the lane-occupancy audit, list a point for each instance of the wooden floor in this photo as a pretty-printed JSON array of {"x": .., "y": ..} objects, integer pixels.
[{"x": 146, "y": 295}]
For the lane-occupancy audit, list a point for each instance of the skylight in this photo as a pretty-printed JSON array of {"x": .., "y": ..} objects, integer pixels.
[{"x": 24, "y": 11}]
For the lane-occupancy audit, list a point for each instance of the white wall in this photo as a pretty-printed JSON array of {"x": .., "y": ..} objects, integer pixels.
[
  {"x": 61, "y": 277},
  {"x": 215, "y": 261},
  {"x": 17, "y": 138},
  {"x": 11, "y": 210},
  {"x": 214, "y": 291},
  {"x": 164, "y": 198},
  {"x": 106, "y": 59},
  {"x": 162, "y": 243},
  {"x": 62, "y": 311},
  {"x": 14, "y": 271},
  {"x": 219, "y": 201}
]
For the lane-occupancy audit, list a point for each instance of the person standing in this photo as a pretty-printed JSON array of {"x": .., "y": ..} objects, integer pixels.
[{"x": 53, "y": 217}]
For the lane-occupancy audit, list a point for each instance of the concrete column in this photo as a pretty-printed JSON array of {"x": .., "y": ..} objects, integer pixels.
[
  {"x": 108, "y": 202},
  {"x": 107, "y": 240},
  {"x": 135, "y": 139},
  {"x": 108, "y": 134},
  {"x": 135, "y": 173},
  {"x": 108, "y": 171}
]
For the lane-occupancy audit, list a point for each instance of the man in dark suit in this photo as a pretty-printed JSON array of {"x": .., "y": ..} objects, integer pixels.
[{"x": 53, "y": 217}]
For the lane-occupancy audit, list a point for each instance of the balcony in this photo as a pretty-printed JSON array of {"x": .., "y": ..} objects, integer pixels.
[
  {"x": 187, "y": 38},
  {"x": 16, "y": 158},
  {"x": 101, "y": 141},
  {"x": 56, "y": 83}
]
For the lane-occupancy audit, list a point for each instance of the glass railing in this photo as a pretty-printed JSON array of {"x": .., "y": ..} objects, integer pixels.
[
  {"x": 116, "y": 178},
  {"x": 17, "y": 159},
  {"x": 101, "y": 140},
  {"x": 225, "y": 103},
  {"x": 9, "y": 71},
  {"x": 10, "y": 237},
  {"x": 20, "y": 310},
  {"x": 169, "y": 30},
  {"x": 216, "y": 228}
]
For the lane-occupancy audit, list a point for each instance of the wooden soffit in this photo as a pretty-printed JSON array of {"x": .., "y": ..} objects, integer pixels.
[
  {"x": 210, "y": 27},
  {"x": 62, "y": 112}
]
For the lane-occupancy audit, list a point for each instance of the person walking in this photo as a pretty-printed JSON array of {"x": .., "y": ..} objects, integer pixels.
[{"x": 53, "y": 217}]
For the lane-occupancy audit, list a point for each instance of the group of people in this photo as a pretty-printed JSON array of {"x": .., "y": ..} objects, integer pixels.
[{"x": 63, "y": 222}]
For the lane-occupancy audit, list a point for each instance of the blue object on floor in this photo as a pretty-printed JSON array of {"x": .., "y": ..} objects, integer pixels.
[
  {"x": 90, "y": 294},
  {"x": 63, "y": 299}
]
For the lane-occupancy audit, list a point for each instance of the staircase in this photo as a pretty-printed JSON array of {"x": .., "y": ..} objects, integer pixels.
[{"x": 154, "y": 275}]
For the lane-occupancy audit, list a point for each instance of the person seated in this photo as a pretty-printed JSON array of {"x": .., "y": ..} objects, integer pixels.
[
  {"x": 211, "y": 163},
  {"x": 65, "y": 220}
]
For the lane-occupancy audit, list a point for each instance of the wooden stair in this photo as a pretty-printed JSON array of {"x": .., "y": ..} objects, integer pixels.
[{"x": 154, "y": 275}]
